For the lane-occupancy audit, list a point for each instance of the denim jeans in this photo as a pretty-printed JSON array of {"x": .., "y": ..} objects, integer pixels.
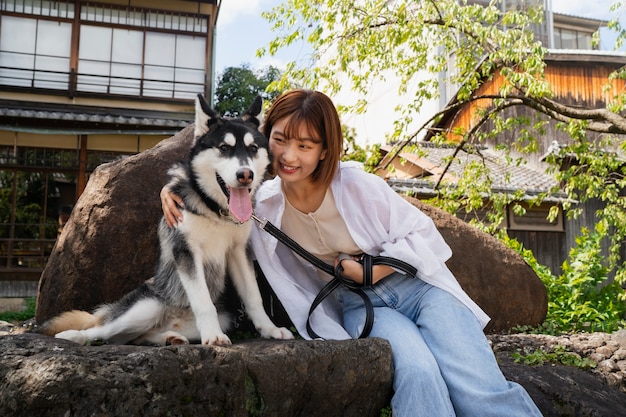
[{"x": 443, "y": 364}]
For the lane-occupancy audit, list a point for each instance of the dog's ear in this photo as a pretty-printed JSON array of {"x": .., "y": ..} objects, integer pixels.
[
  {"x": 205, "y": 116},
  {"x": 253, "y": 114}
]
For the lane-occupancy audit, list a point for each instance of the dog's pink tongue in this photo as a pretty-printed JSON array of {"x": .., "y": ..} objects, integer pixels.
[{"x": 240, "y": 204}]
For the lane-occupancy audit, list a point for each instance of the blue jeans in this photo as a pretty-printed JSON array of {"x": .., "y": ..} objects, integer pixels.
[{"x": 443, "y": 364}]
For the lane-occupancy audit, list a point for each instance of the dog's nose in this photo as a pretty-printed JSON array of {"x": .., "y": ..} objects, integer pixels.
[{"x": 245, "y": 176}]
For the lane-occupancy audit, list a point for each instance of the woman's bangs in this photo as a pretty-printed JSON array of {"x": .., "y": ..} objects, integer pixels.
[{"x": 294, "y": 124}]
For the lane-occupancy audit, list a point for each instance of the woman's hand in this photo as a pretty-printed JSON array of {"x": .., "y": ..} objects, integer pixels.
[
  {"x": 353, "y": 270},
  {"x": 170, "y": 204}
]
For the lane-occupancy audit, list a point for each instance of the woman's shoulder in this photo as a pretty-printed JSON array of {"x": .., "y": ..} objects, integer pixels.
[
  {"x": 354, "y": 171},
  {"x": 356, "y": 180}
]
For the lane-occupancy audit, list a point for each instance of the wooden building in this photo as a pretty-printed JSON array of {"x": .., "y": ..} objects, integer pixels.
[
  {"x": 578, "y": 78},
  {"x": 83, "y": 83},
  {"x": 578, "y": 73}
]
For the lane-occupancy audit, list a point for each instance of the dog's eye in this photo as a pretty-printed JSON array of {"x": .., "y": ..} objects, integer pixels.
[
  {"x": 224, "y": 147},
  {"x": 254, "y": 148}
]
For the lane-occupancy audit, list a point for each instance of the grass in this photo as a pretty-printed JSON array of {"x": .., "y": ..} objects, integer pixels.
[
  {"x": 559, "y": 356},
  {"x": 17, "y": 317}
]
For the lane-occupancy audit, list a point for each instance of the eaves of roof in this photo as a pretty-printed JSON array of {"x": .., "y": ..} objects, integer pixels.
[
  {"x": 586, "y": 55},
  {"x": 84, "y": 120},
  {"x": 579, "y": 20},
  {"x": 506, "y": 178},
  {"x": 425, "y": 187}
]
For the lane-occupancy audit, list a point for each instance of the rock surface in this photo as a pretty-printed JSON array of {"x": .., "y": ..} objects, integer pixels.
[
  {"x": 568, "y": 391},
  {"x": 606, "y": 350},
  {"x": 495, "y": 277},
  {"x": 109, "y": 246},
  {"x": 43, "y": 376}
]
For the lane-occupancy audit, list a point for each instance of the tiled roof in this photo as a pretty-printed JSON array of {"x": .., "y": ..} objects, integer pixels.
[
  {"x": 96, "y": 118},
  {"x": 85, "y": 120},
  {"x": 505, "y": 177}
]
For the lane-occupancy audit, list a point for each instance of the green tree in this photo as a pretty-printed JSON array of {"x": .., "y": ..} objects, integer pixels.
[
  {"x": 426, "y": 43},
  {"x": 238, "y": 86}
]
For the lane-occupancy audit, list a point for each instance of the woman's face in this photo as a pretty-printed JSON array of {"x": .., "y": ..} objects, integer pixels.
[{"x": 295, "y": 159}]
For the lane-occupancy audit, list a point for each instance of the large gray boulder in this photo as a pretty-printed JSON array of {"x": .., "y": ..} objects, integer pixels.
[
  {"x": 495, "y": 276},
  {"x": 42, "y": 376},
  {"x": 109, "y": 246}
]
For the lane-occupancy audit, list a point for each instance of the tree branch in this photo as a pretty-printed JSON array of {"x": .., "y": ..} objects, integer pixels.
[
  {"x": 471, "y": 134},
  {"x": 600, "y": 120}
]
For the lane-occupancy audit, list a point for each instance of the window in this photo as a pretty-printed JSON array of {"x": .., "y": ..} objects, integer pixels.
[
  {"x": 39, "y": 57},
  {"x": 122, "y": 50},
  {"x": 174, "y": 65},
  {"x": 126, "y": 62},
  {"x": 112, "y": 60},
  {"x": 571, "y": 39},
  {"x": 568, "y": 39},
  {"x": 190, "y": 65},
  {"x": 39, "y": 188},
  {"x": 536, "y": 218},
  {"x": 584, "y": 41},
  {"x": 160, "y": 62},
  {"x": 62, "y": 9},
  {"x": 52, "y": 54}
]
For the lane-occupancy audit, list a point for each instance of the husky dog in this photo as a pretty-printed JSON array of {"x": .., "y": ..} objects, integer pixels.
[{"x": 226, "y": 164}]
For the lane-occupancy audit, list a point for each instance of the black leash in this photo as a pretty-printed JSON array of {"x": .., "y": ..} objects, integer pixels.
[{"x": 367, "y": 261}]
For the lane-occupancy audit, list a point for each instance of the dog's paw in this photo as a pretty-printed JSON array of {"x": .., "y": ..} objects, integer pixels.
[
  {"x": 76, "y": 336},
  {"x": 174, "y": 338},
  {"x": 276, "y": 333},
  {"x": 217, "y": 340}
]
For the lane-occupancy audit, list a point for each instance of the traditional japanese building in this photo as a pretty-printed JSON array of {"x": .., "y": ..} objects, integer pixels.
[{"x": 83, "y": 83}]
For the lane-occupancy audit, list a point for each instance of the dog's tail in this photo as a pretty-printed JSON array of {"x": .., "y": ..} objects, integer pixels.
[{"x": 70, "y": 320}]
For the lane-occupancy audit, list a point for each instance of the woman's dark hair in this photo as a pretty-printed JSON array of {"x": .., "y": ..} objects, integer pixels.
[{"x": 318, "y": 113}]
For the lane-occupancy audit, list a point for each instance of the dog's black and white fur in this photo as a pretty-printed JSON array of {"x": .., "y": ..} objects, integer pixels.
[{"x": 227, "y": 162}]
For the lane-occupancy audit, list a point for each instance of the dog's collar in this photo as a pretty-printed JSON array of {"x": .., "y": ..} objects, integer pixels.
[
  {"x": 222, "y": 184},
  {"x": 213, "y": 205},
  {"x": 225, "y": 214}
]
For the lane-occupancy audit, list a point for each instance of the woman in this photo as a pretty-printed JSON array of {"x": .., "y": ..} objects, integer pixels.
[{"x": 443, "y": 364}]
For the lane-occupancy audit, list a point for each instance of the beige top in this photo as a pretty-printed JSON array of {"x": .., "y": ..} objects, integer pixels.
[{"x": 323, "y": 232}]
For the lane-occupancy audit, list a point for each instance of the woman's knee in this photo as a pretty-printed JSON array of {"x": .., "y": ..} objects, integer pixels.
[{"x": 419, "y": 370}]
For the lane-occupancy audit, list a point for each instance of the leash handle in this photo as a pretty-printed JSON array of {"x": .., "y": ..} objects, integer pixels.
[{"x": 368, "y": 262}]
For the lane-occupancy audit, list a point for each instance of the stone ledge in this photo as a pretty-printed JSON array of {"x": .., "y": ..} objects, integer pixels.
[{"x": 44, "y": 376}]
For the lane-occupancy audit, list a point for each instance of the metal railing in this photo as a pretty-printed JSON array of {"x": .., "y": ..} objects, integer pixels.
[
  {"x": 74, "y": 82},
  {"x": 24, "y": 255}
]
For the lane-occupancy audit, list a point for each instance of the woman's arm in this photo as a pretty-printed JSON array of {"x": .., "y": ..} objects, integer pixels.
[
  {"x": 170, "y": 204},
  {"x": 354, "y": 270}
]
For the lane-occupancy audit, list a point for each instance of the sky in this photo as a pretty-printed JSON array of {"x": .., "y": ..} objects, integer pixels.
[{"x": 241, "y": 31}]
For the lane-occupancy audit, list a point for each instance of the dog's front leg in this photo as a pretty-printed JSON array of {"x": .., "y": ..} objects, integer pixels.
[
  {"x": 202, "y": 305},
  {"x": 242, "y": 274}
]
